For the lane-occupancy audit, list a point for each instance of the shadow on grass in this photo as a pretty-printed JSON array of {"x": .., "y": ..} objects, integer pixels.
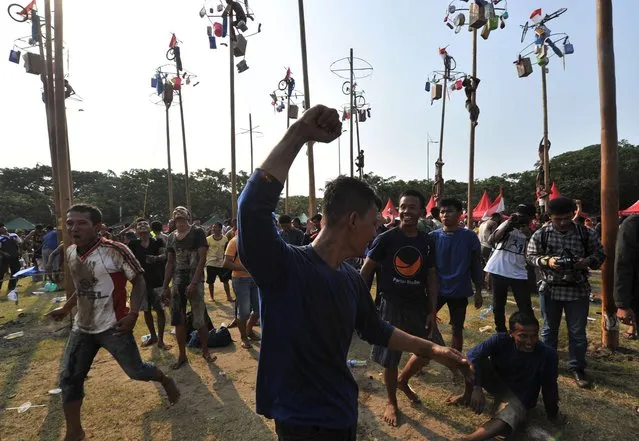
[{"x": 195, "y": 417}]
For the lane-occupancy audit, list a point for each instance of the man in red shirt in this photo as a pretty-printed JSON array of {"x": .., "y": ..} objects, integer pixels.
[{"x": 100, "y": 269}]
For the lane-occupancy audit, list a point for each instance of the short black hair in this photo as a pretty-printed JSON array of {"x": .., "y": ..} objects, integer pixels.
[
  {"x": 527, "y": 209},
  {"x": 344, "y": 195},
  {"x": 414, "y": 194},
  {"x": 156, "y": 225},
  {"x": 317, "y": 217},
  {"x": 561, "y": 205},
  {"x": 435, "y": 212},
  {"x": 297, "y": 219},
  {"x": 94, "y": 212},
  {"x": 496, "y": 216},
  {"x": 285, "y": 219},
  {"x": 49, "y": 228},
  {"x": 219, "y": 224},
  {"x": 141, "y": 219},
  {"x": 523, "y": 319},
  {"x": 38, "y": 227},
  {"x": 452, "y": 202}
]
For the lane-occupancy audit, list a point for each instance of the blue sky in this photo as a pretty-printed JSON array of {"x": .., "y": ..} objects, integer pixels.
[{"x": 114, "y": 50}]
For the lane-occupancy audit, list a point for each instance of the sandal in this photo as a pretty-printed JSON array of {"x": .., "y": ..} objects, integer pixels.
[
  {"x": 178, "y": 364},
  {"x": 246, "y": 344}
]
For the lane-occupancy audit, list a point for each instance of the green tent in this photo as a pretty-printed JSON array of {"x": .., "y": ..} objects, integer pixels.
[
  {"x": 19, "y": 223},
  {"x": 303, "y": 218},
  {"x": 211, "y": 220}
]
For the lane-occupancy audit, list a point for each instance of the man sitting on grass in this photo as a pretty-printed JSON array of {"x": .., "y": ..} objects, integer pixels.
[{"x": 513, "y": 367}]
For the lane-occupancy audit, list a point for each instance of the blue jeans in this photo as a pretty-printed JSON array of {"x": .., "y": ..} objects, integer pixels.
[
  {"x": 246, "y": 297},
  {"x": 576, "y": 319}
]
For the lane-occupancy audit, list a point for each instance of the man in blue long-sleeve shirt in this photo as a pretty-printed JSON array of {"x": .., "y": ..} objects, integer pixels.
[
  {"x": 311, "y": 301},
  {"x": 513, "y": 367}
]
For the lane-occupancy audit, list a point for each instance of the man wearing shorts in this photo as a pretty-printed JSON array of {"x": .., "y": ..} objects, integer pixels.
[
  {"x": 150, "y": 253},
  {"x": 458, "y": 258},
  {"x": 100, "y": 269},
  {"x": 215, "y": 260},
  {"x": 186, "y": 256},
  {"x": 246, "y": 295},
  {"x": 408, "y": 292}
]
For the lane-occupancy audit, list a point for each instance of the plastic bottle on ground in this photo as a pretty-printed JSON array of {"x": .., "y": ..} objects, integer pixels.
[{"x": 356, "y": 363}]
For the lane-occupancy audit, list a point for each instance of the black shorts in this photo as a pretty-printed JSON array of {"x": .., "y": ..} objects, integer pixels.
[
  {"x": 456, "y": 309},
  {"x": 292, "y": 432},
  {"x": 409, "y": 319},
  {"x": 215, "y": 271}
]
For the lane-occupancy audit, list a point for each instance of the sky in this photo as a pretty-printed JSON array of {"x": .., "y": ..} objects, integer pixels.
[{"x": 114, "y": 49}]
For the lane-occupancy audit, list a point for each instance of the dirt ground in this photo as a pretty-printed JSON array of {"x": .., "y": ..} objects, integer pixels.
[{"x": 218, "y": 400}]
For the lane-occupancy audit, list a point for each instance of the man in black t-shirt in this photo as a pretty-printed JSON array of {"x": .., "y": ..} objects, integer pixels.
[
  {"x": 150, "y": 253},
  {"x": 409, "y": 292}
]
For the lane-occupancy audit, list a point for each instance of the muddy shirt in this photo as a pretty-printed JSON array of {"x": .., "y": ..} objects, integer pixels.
[
  {"x": 100, "y": 276},
  {"x": 186, "y": 253}
]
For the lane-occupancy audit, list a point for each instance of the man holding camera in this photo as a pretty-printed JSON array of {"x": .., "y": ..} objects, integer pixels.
[{"x": 564, "y": 251}]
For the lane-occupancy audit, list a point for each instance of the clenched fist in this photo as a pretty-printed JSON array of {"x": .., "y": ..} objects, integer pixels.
[{"x": 319, "y": 124}]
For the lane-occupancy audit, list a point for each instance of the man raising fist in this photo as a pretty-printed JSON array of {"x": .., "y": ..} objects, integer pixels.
[{"x": 311, "y": 301}]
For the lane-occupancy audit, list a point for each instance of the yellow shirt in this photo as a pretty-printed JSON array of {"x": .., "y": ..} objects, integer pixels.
[
  {"x": 231, "y": 251},
  {"x": 215, "y": 252}
]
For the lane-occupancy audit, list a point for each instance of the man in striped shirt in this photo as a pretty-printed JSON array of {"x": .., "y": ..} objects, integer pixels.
[{"x": 100, "y": 269}]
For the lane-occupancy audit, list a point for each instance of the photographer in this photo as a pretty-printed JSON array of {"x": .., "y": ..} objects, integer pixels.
[
  {"x": 507, "y": 264},
  {"x": 564, "y": 250}
]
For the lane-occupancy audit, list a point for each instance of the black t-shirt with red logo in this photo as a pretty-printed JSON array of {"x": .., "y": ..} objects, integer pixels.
[{"x": 404, "y": 261}]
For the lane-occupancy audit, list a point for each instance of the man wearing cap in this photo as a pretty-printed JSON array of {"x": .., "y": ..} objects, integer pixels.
[{"x": 186, "y": 256}]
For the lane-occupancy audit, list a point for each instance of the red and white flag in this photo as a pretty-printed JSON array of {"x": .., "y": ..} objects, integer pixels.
[
  {"x": 173, "y": 41},
  {"x": 498, "y": 206},
  {"x": 390, "y": 210},
  {"x": 536, "y": 16}
]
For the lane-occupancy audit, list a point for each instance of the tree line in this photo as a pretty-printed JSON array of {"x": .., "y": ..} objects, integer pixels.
[{"x": 27, "y": 192}]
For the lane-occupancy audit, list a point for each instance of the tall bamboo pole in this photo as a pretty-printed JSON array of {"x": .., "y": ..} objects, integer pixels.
[
  {"x": 439, "y": 164},
  {"x": 288, "y": 124},
  {"x": 544, "y": 97},
  {"x": 62, "y": 143},
  {"x": 47, "y": 82},
  {"x": 232, "y": 92},
  {"x": 471, "y": 156},
  {"x": 186, "y": 160},
  {"x": 609, "y": 169},
  {"x": 169, "y": 171},
  {"x": 351, "y": 112},
  {"x": 251, "y": 139},
  {"x": 307, "y": 104},
  {"x": 359, "y": 149}
]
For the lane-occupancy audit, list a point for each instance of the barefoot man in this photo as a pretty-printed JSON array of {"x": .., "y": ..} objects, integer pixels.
[
  {"x": 408, "y": 288},
  {"x": 186, "y": 256},
  {"x": 100, "y": 269},
  {"x": 311, "y": 300}
]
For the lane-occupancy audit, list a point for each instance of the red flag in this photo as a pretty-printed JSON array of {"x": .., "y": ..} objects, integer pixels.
[
  {"x": 554, "y": 192},
  {"x": 483, "y": 205},
  {"x": 173, "y": 41},
  {"x": 498, "y": 206},
  {"x": 390, "y": 210},
  {"x": 431, "y": 204}
]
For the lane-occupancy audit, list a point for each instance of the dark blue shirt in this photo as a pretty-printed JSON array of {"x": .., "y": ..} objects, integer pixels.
[
  {"x": 405, "y": 262},
  {"x": 525, "y": 373},
  {"x": 50, "y": 240},
  {"x": 458, "y": 258},
  {"x": 309, "y": 311}
]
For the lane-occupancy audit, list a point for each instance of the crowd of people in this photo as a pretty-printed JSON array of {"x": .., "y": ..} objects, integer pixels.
[{"x": 309, "y": 289}]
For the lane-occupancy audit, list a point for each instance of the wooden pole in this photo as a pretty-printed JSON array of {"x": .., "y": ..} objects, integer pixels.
[
  {"x": 544, "y": 97},
  {"x": 251, "y": 138},
  {"x": 471, "y": 156},
  {"x": 359, "y": 149},
  {"x": 232, "y": 92},
  {"x": 168, "y": 160},
  {"x": 609, "y": 168},
  {"x": 62, "y": 143},
  {"x": 186, "y": 161},
  {"x": 351, "y": 113},
  {"x": 288, "y": 124},
  {"x": 307, "y": 105},
  {"x": 439, "y": 164},
  {"x": 47, "y": 82}
]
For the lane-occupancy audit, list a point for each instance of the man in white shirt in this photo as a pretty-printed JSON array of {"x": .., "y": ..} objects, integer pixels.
[
  {"x": 507, "y": 264},
  {"x": 214, "y": 262},
  {"x": 100, "y": 269}
]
